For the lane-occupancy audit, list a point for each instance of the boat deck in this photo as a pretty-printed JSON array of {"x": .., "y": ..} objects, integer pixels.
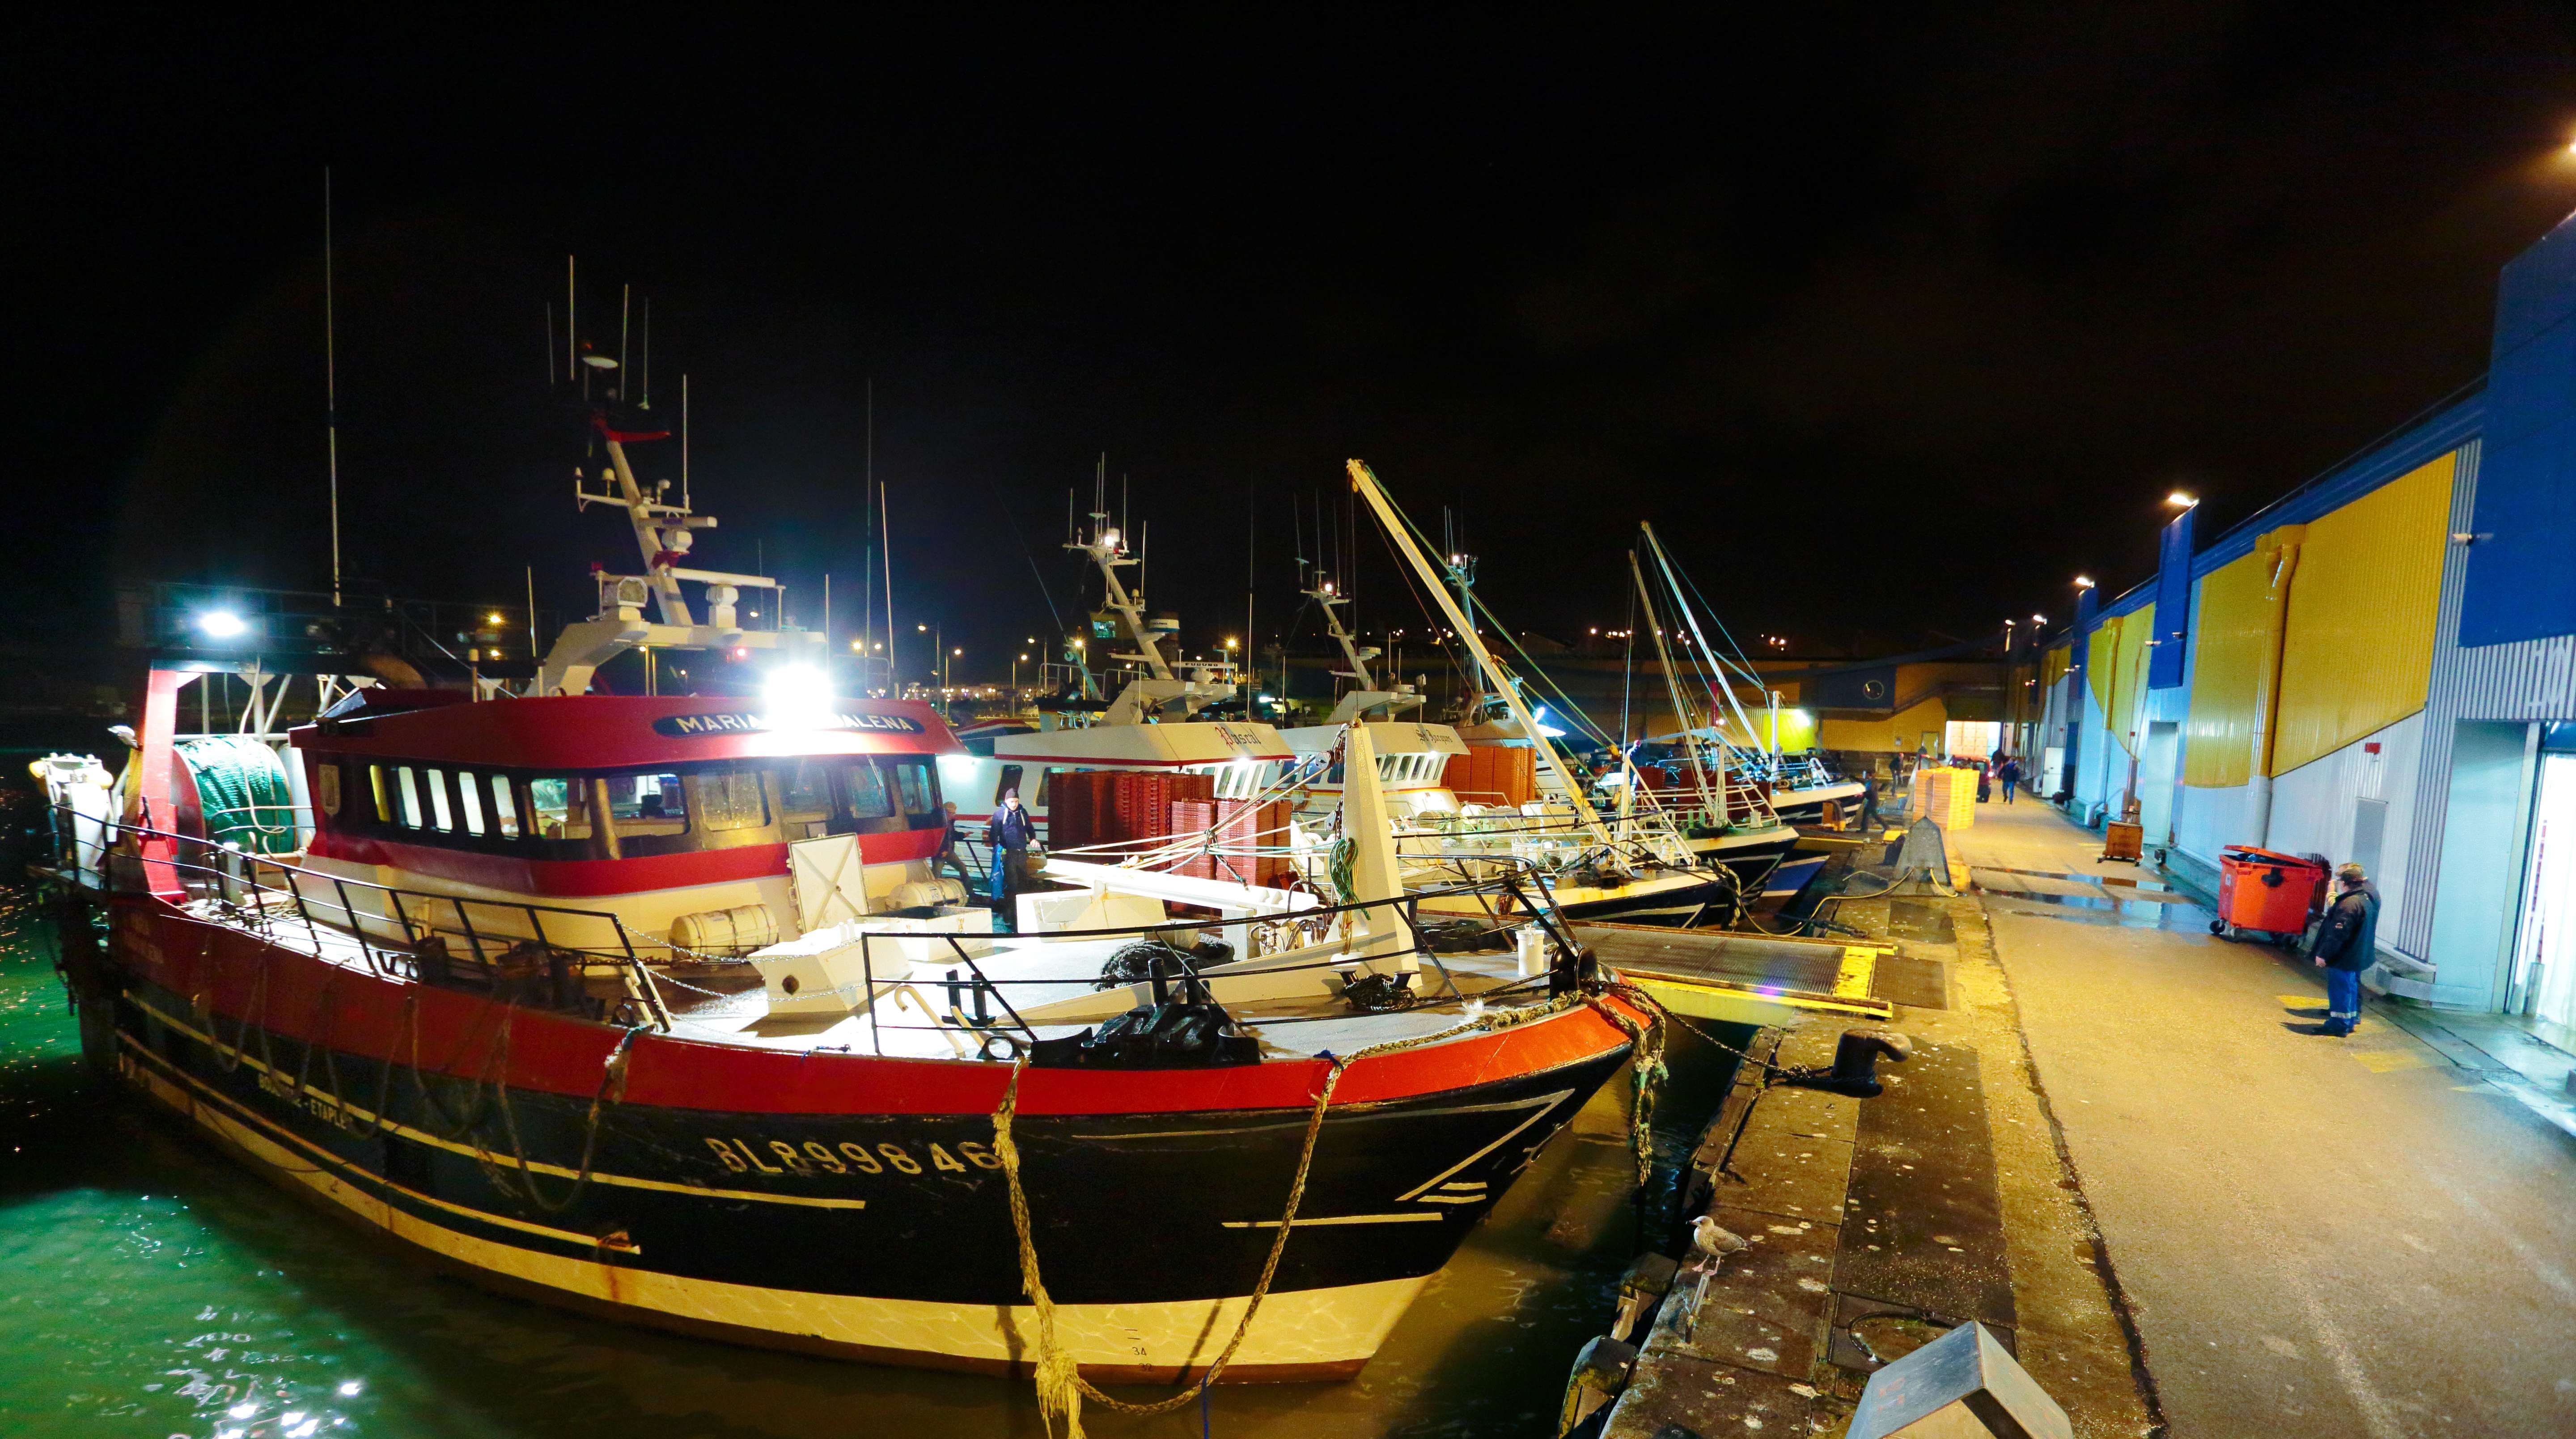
[
  {"x": 922, "y": 1017},
  {"x": 917, "y": 1017}
]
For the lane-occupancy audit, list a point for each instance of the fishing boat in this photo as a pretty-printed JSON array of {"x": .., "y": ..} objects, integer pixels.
[
  {"x": 1721, "y": 802},
  {"x": 1159, "y": 721},
  {"x": 654, "y": 1007},
  {"x": 1635, "y": 866}
]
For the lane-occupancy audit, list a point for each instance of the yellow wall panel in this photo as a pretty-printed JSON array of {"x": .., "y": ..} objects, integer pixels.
[
  {"x": 2101, "y": 660},
  {"x": 2054, "y": 664},
  {"x": 1797, "y": 728},
  {"x": 2233, "y": 643},
  {"x": 2125, "y": 662},
  {"x": 2357, "y": 651},
  {"x": 1903, "y": 733}
]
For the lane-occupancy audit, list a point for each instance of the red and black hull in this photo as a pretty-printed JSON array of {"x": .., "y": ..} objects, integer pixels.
[{"x": 832, "y": 1202}]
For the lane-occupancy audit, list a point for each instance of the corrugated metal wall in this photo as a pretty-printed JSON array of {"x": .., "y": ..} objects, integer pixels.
[
  {"x": 2523, "y": 681},
  {"x": 2230, "y": 651},
  {"x": 2358, "y": 650}
]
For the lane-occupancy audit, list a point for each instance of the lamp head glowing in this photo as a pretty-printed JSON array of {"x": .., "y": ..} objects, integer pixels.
[
  {"x": 222, "y": 624},
  {"x": 796, "y": 696},
  {"x": 2181, "y": 500},
  {"x": 2083, "y": 583}
]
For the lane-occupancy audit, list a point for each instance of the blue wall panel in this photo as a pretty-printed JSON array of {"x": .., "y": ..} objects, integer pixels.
[
  {"x": 2173, "y": 605},
  {"x": 2521, "y": 574}
]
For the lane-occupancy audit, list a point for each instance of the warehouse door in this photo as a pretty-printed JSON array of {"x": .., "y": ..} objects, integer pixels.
[{"x": 2545, "y": 937}]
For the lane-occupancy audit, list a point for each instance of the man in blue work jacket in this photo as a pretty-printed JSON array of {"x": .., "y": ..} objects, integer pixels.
[
  {"x": 1013, "y": 830},
  {"x": 2347, "y": 944}
]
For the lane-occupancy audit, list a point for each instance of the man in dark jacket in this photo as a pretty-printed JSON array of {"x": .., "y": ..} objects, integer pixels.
[
  {"x": 1013, "y": 831},
  {"x": 2347, "y": 944}
]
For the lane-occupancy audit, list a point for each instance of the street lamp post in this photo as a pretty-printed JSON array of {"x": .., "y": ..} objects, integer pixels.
[{"x": 938, "y": 649}]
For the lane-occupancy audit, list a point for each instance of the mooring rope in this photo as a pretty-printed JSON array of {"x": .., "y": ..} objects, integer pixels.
[
  {"x": 1061, "y": 1389},
  {"x": 1646, "y": 1070},
  {"x": 611, "y": 1091}
]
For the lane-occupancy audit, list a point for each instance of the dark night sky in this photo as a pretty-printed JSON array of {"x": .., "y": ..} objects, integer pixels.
[{"x": 1960, "y": 298}]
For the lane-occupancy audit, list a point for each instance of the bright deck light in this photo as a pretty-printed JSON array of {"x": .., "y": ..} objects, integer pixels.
[
  {"x": 797, "y": 696},
  {"x": 222, "y": 624},
  {"x": 2180, "y": 500}
]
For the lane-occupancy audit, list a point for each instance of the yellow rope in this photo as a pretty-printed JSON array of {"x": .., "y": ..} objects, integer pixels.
[{"x": 1060, "y": 1385}]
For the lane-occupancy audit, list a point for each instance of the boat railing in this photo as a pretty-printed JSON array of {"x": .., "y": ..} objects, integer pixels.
[
  {"x": 538, "y": 955},
  {"x": 979, "y": 1020}
]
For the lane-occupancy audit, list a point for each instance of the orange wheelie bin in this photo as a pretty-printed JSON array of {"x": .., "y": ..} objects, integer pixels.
[{"x": 2266, "y": 892}]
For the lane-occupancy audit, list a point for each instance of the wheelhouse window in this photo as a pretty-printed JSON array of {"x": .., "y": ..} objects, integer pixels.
[
  {"x": 635, "y": 814},
  {"x": 919, "y": 791},
  {"x": 647, "y": 804},
  {"x": 862, "y": 790},
  {"x": 505, "y": 813},
  {"x": 851, "y": 794},
  {"x": 469, "y": 802},
  {"x": 435, "y": 782},
  {"x": 729, "y": 799},
  {"x": 555, "y": 805}
]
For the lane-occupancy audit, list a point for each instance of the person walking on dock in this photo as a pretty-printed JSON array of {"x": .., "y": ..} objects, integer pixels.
[
  {"x": 2347, "y": 944},
  {"x": 1013, "y": 832},
  {"x": 2010, "y": 773}
]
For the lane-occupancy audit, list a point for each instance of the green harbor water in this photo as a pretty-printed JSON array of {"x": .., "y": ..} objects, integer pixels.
[{"x": 152, "y": 1288}]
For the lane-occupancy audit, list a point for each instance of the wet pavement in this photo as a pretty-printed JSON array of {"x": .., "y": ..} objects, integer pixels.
[{"x": 2314, "y": 1236}]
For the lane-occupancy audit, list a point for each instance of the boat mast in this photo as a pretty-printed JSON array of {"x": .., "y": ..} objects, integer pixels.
[
  {"x": 1712, "y": 804},
  {"x": 331, "y": 386},
  {"x": 1690, "y": 617},
  {"x": 1352, "y": 653},
  {"x": 1105, "y": 552},
  {"x": 1365, "y": 482}
]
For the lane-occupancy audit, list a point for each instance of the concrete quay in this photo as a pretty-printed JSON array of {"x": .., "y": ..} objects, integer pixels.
[
  {"x": 2184, "y": 1217},
  {"x": 1876, "y": 1224}
]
